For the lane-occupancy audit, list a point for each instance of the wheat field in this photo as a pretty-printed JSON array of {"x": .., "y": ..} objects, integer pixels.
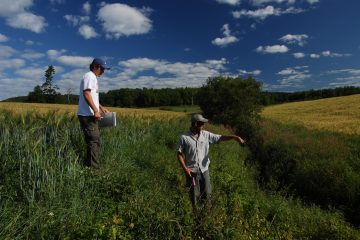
[
  {"x": 41, "y": 108},
  {"x": 340, "y": 114}
]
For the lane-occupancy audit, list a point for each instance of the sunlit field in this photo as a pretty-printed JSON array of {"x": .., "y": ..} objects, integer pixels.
[
  {"x": 340, "y": 114},
  {"x": 41, "y": 108}
]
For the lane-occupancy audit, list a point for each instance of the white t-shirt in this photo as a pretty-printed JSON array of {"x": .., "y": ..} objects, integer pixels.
[{"x": 89, "y": 81}]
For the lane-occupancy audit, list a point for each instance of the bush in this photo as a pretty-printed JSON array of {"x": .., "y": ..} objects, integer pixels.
[{"x": 234, "y": 102}]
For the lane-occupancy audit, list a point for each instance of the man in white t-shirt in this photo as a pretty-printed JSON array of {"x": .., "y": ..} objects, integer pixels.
[
  {"x": 193, "y": 155},
  {"x": 89, "y": 111}
]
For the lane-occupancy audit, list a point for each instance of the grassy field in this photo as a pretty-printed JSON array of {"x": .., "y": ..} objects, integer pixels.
[
  {"x": 40, "y": 108},
  {"x": 312, "y": 149},
  {"x": 340, "y": 114},
  {"x": 139, "y": 191}
]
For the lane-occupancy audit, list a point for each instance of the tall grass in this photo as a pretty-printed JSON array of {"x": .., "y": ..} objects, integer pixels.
[{"x": 139, "y": 191}]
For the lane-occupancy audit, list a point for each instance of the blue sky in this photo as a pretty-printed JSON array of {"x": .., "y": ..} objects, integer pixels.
[{"x": 287, "y": 45}]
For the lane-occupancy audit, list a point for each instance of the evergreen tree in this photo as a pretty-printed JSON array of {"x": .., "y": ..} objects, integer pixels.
[{"x": 49, "y": 88}]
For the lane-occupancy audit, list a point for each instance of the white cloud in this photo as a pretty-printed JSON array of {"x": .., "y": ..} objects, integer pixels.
[
  {"x": 299, "y": 39},
  {"x": 122, "y": 20},
  {"x": 31, "y": 55},
  {"x": 230, "y": 2},
  {"x": 11, "y": 63},
  {"x": 313, "y": 1},
  {"x": 11, "y": 87},
  {"x": 53, "y": 54},
  {"x": 74, "y": 61},
  {"x": 350, "y": 71},
  {"x": 261, "y": 2},
  {"x": 263, "y": 13},
  {"x": 272, "y": 49},
  {"x": 253, "y": 73},
  {"x": 57, "y": 1},
  {"x": 31, "y": 72},
  {"x": 76, "y": 20},
  {"x": 227, "y": 39},
  {"x": 87, "y": 8},
  {"x": 134, "y": 73},
  {"x": 16, "y": 15},
  {"x": 299, "y": 55},
  {"x": 294, "y": 77},
  {"x": 331, "y": 54},
  {"x": 6, "y": 51},
  {"x": 27, "y": 21},
  {"x": 3, "y": 38},
  {"x": 345, "y": 77},
  {"x": 87, "y": 31},
  {"x": 314, "y": 55}
]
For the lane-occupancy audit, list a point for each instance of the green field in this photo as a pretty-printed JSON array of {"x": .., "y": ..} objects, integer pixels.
[{"x": 139, "y": 191}]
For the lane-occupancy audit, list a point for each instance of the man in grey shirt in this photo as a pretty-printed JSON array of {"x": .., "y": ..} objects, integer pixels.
[{"x": 193, "y": 155}]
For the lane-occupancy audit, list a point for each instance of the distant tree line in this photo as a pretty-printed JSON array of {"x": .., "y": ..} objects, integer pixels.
[
  {"x": 270, "y": 98},
  {"x": 146, "y": 97}
]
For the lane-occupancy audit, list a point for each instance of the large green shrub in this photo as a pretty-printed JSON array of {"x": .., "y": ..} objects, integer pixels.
[{"x": 234, "y": 102}]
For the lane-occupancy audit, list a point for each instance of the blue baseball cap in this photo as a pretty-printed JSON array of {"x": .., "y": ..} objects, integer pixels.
[{"x": 100, "y": 62}]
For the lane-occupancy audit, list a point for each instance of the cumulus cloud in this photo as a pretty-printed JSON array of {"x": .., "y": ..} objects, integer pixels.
[
  {"x": 74, "y": 61},
  {"x": 345, "y": 77},
  {"x": 227, "y": 39},
  {"x": 11, "y": 63},
  {"x": 252, "y": 73},
  {"x": 272, "y": 49},
  {"x": 155, "y": 73},
  {"x": 87, "y": 8},
  {"x": 261, "y": 2},
  {"x": 17, "y": 15},
  {"x": 31, "y": 55},
  {"x": 313, "y": 1},
  {"x": 294, "y": 77},
  {"x": 31, "y": 72},
  {"x": 314, "y": 55},
  {"x": 332, "y": 54},
  {"x": 122, "y": 20},
  {"x": 87, "y": 31},
  {"x": 3, "y": 38},
  {"x": 76, "y": 20},
  {"x": 230, "y": 2},
  {"x": 263, "y": 13},
  {"x": 6, "y": 51},
  {"x": 299, "y": 39},
  {"x": 299, "y": 55}
]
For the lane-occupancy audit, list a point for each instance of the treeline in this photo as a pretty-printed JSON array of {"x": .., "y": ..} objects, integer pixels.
[
  {"x": 270, "y": 98},
  {"x": 146, "y": 97}
]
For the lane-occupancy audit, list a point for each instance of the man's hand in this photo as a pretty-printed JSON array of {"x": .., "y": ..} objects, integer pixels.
[
  {"x": 240, "y": 140},
  {"x": 97, "y": 116},
  {"x": 103, "y": 109},
  {"x": 187, "y": 171}
]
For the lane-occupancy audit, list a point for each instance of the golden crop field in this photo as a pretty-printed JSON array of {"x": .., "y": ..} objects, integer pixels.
[
  {"x": 65, "y": 108},
  {"x": 340, "y": 114}
]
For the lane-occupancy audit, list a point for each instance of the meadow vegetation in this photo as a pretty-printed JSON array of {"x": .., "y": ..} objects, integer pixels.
[
  {"x": 311, "y": 149},
  {"x": 139, "y": 191}
]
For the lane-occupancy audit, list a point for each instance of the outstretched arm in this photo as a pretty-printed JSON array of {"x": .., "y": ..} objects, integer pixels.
[{"x": 232, "y": 137}]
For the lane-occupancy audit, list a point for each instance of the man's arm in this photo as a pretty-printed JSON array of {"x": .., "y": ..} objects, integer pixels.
[
  {"x": 181, "y": 159},
  {"x": 103, "y": 109},
  {"x": 232, "y": 137},
  {"x": 90, "y": 102}
]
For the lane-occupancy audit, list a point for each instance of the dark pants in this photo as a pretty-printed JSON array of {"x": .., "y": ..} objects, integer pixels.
[
  {"x": 199, "y": 186},
  {"x": 90, "y": 128}
]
